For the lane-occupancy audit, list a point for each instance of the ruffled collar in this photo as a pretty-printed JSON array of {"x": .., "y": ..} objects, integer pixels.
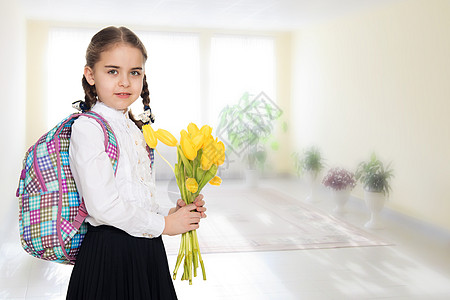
[{"x": 109, "y": 112}]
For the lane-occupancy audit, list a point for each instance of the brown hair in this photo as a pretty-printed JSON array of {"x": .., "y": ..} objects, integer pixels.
[{"x": 103, "y": 41}]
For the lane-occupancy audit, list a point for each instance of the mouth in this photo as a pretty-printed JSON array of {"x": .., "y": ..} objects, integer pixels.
[{"x": 123, "y": 95}]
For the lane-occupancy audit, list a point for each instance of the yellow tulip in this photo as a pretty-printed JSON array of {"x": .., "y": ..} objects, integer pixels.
[
  {"x": 206, "y": 130},
  {"x": 191, "y": 185},
  {"x": 206, "y": 161},
  {"x": 187, "y": 145},
  {"x": 149, "y": 136},
  {"x": 193, "y": 130},
  {"x": 220, "y": 158},
  {"x": 216, "y": 180},
  {"x": 214, "y": 151},
  {"x": 208, "y": 142},
  {"x": 198, "y": 141},
  {"x": 166, "y": 137}
]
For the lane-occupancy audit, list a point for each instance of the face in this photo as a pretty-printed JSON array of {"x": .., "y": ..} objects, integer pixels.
[{"x": 118, "y": 76}]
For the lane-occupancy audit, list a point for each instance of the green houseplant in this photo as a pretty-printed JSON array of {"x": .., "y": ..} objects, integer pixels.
[
  {"x": 375, "y": 178},
  {"x": 309, "y": 163},
  {"x": 247, "y": 127}
]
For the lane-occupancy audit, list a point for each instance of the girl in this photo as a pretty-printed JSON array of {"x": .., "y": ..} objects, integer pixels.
[{"x": 122, "y": 255}]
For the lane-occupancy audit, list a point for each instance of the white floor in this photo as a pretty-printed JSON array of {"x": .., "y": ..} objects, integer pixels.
[{"x": 416, "y": 266}]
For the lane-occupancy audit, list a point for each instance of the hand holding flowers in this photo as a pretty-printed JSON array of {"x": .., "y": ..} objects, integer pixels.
[
  {"x": 198, "y": 157},
  {"x": 199, "y": 202}
]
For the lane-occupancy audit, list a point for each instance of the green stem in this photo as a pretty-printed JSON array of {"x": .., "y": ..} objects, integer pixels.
[
  {"x": 190, "y": 257},
  {"x": 165, "y": 160},
  {"x": 200, "y": 256},
  {"x": 179, "y": 258},
  {"x": 195, "y": 253}
]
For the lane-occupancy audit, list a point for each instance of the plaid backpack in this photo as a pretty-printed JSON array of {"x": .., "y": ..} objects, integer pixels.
[{"x": 51, "y": 213}]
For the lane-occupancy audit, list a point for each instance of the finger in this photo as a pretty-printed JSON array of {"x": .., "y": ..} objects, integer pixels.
[
  {"x": 202, "y": 214},
  {"x": 194, "y": 226},
  {"x": 199, "y": 197},
  {"x": 181, "y": 203},
  {"x": 195, "y": 220},
  {"x": 191, "y": 206},
  {"x": 201, "y": 209},
  {"x": 199, "y": 202},
  {"x": 195, "y": 215}
]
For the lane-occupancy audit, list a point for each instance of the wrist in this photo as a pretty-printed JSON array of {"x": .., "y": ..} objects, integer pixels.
[{"x": 166, "y": 229}]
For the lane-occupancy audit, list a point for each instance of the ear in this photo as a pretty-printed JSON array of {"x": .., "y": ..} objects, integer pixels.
[{"x": 89, "y": 74}]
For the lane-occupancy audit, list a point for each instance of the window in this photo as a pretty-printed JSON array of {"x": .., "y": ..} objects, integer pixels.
[
  {"x": 240, "y": 64},
  {"x": 66, "y": 51},
  {"x": 173, "y": 76},
  {"x": 172, "y": 72},
  {"x": 191, "y": 76}
]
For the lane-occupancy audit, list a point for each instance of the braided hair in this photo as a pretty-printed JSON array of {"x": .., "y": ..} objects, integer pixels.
[{"x": 102, "y": 41}]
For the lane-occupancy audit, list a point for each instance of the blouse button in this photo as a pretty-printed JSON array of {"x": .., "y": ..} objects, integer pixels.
[{"x": 136, "y": 142}]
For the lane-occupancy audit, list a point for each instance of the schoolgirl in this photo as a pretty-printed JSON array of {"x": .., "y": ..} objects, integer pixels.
[{"x": 122, "y": 255}]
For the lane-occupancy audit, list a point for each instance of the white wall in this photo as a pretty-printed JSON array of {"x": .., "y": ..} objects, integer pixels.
[
  {"x": 380, "y": 81},
  {"x": 12, "y": 102}
]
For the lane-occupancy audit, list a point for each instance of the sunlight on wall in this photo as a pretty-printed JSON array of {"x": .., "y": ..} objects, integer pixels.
[{"x": 12, "y": 122}]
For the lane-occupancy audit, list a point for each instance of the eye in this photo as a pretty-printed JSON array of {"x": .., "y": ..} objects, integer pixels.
[
  {"x": 135, "y": 73},
  {"x": 113, "y": 72}
]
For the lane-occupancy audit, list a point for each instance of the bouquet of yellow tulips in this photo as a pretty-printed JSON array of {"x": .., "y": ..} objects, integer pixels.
[{"x": 198, "y": 157}]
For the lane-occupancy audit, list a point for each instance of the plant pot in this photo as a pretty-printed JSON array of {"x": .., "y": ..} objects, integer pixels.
[
  {"x": 340, "y": 198},
  {"x": 251, "y": 178},
  {"x": 312, "y": 179},
  {"x": 375, "y": 203}
]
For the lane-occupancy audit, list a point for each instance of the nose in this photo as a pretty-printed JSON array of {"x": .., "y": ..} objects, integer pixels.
[{"x": 124, "y": 82}]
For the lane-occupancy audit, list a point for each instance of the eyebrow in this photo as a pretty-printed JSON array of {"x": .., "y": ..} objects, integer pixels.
[{"x": 117, "y": 67}]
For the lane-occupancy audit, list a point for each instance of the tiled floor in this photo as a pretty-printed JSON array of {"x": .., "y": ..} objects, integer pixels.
[{"x": 417, "y": 266}]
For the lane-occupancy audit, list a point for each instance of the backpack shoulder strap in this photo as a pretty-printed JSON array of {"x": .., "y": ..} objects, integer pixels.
[
  {"x": 111, "y": 148},
  {"x": 111, "y": 144}
]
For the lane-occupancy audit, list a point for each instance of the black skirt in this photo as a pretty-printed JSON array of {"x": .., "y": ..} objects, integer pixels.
[{"x": 112, "y": 265}]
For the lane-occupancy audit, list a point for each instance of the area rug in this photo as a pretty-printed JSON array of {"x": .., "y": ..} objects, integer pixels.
[{"x": 263, "y": 219}]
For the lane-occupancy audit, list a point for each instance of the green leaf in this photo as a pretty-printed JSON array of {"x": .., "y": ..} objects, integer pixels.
[
  {"x": 275, "y": 146},
  {"x": 208, "y": 176},
  {"x": 186, "y": 162}
]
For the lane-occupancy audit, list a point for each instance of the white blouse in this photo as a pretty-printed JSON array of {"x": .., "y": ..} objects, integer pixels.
[{"x": 126, "y": 201}]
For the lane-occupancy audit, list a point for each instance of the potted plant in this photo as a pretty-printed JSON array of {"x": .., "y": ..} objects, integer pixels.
[
  {"x": 341, "y": 182},
  {"x": 246, "y": 127},
  {"x": 375, "y": 178},
  {"x": 310, "y": 164}
]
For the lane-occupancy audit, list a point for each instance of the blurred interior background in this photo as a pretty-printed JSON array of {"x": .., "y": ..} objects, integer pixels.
[{"x": 350, "y": 77}]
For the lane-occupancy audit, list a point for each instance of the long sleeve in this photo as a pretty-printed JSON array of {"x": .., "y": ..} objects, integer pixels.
[{"x": 101, "y": 190}]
